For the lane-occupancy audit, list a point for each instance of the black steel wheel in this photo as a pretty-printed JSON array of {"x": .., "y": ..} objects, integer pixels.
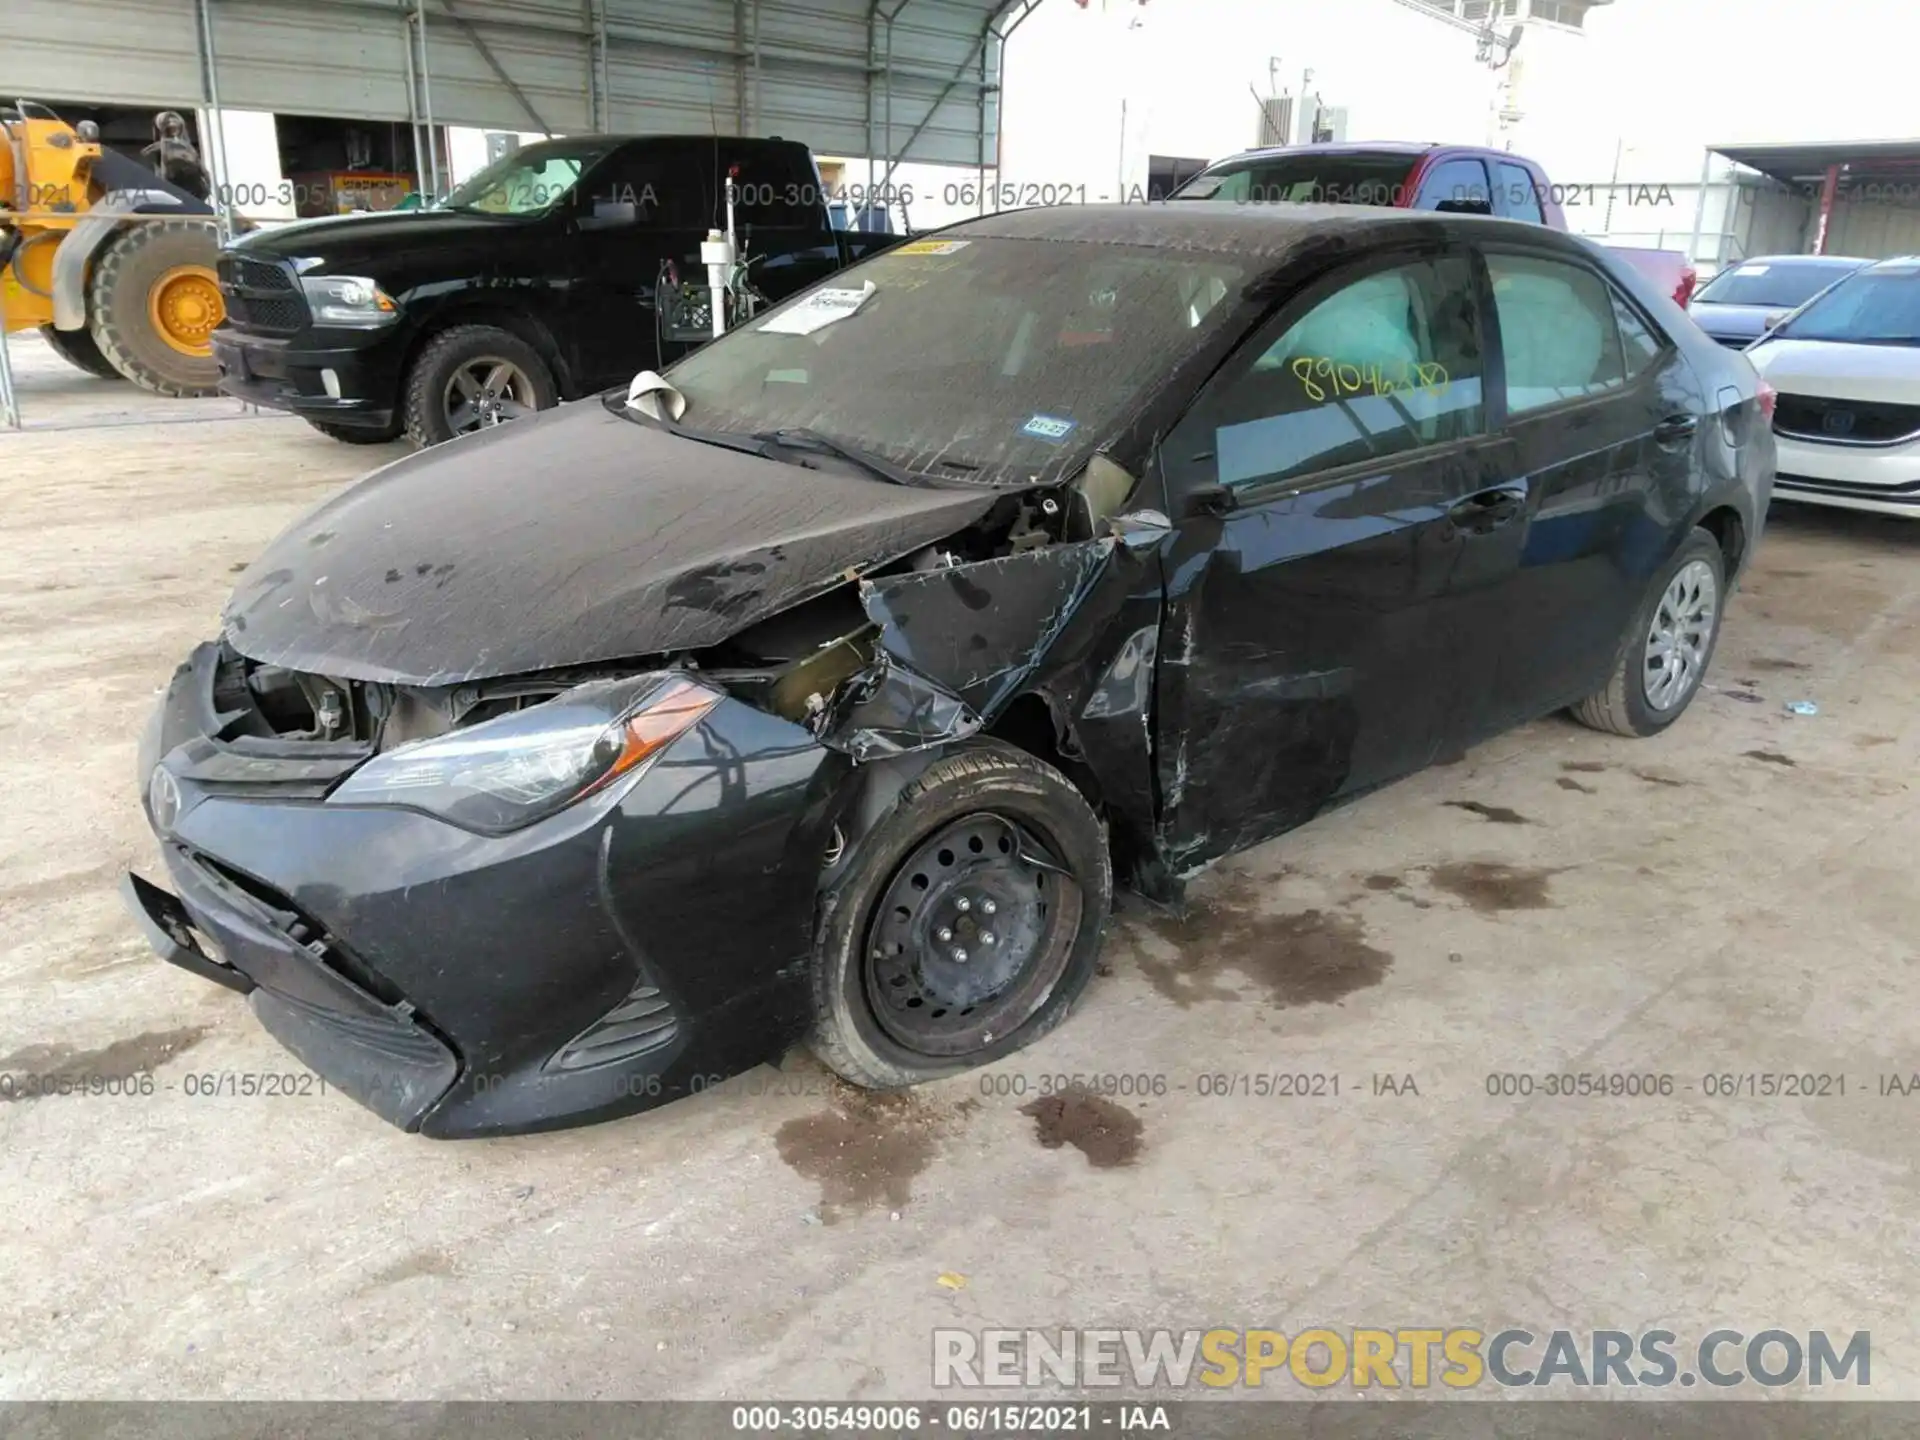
[
  {"x": 970, "y": 937},
  {"x": 964, "y": 924}
]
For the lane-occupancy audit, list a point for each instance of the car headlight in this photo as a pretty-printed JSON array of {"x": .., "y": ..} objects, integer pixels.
[
  {"x": 351, "y": 300},
  {"x": 506, "y": 773}
]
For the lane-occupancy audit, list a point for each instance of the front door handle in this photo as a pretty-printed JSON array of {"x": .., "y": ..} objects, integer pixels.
[
  {"x": 1676, "y": 427},
  {"x": 1489, "y": 509}
]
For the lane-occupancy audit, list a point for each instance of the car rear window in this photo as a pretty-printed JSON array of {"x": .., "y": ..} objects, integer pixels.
[
  {"x": 1782, "y": 284},
  {"x": 1303, "y": 180},
  {"x": 976, "y": 358}
]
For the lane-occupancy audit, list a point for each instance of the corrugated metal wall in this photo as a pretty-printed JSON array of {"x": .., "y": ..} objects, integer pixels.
[
  {"x": 1874, "y": 231},
  {"x": 833, "y": 73}
]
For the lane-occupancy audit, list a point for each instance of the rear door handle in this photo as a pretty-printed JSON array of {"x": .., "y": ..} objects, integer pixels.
[
  {"x": 1489, "y": 509},
  {"x": 1676, "y": 427}
]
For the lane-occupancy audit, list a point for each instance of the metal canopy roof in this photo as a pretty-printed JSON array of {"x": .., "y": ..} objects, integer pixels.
[
  {"x": 1864, "y": 161},
  {"x": 899, "y": 79}
]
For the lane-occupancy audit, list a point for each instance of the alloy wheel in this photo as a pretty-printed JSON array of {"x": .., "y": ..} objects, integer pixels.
[
  {"x": 970, "y": 937},
  {"x": 487, "y": 391},
  {"x": 1682, "y": 632}
]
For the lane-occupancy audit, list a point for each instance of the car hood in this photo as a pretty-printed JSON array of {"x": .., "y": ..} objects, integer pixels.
[
  {"x": 570, "y": 538},
  {"x": 1845, "y": 372},
  {"x": 335, "y": 238}
]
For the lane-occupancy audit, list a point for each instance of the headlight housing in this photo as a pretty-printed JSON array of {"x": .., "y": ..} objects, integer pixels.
[
  {"x": 505, "y": 774},
  {"x": 348, "y": 300}
]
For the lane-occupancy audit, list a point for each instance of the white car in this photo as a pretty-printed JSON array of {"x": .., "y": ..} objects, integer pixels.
[{"x": 1847, "y": 369}]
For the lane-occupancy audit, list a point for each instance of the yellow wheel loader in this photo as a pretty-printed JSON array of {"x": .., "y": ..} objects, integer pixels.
[{"x": 111, "y": 263}]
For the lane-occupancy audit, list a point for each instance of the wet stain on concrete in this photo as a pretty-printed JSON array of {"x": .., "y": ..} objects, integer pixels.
[
  {"x": 864, "y": 1149},
  {"x": 1108, "y": 1134},
  {"x": 1311, "y": 957},
  {"x": 38, "y": 1071},
  {"x": 1772, "y": 757},
  {"x": 1583, "y": 767},
  {"x": 1498, "y": 814},
  {"x": 1651, "y": 778},
  {"x": 1491, "y": 887},
  {"x": 1774, "y": 662},
  {"x": 1383, "y": 882},
  {"x": 1567, "y": 782}
]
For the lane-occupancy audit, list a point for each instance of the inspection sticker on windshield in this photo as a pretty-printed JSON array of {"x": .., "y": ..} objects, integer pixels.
[
  {"x": 822, "y": 307},
  {"x": 933, "y": 247},
  {"x": 1050, "y": 428}
]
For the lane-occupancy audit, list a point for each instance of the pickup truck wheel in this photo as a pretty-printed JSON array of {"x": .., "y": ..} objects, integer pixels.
[
  {"x": 471, "y": 378},
  {"x": 966, "y": 924},
  {"x": 356, "y": 434}
]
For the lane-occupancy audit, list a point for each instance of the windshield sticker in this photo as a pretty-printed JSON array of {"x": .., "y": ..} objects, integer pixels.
[
  {"x": 1050, "y": 428},
  {"x": 1746, "y": 270},
  {"x": 821, "y": 308},
  {"x": 932, "y": 247}
]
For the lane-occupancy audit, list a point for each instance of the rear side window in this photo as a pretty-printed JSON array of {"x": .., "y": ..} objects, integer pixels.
[
  {"x": 1559, "y": 330},
  {"x": 1520, "y": 194},
  {"x": 1389, "y": 362},
  {"x": 1458, "y": 186},
  {"x": 1639, "y": 346}
]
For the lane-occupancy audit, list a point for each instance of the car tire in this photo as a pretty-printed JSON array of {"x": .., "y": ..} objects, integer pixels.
[
  {"x": 1052, "y": 920},
  {"x": 78, "y": 349},
  {"x": 1640, "y": 698},
  {"x": 467, "y": 350},
  {"x": 355, "y": 434}
]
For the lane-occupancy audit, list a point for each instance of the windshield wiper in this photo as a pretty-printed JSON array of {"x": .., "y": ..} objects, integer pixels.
[{"x": 799, "y": 437}]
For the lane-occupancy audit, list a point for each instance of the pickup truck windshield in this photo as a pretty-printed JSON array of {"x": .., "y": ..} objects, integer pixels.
[
  {"x": 526, "y": 182},
  {"x": 1305, "y": 180},
  {"x": 1777, "y": 284},
  {"x": 990, "y": 360},
  {"x": 1880, "y": 306}
]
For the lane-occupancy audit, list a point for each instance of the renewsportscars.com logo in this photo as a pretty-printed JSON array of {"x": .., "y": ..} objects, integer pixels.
[{"x": 1417, "y": 1359}]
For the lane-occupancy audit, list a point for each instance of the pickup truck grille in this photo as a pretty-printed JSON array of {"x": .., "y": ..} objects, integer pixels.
[
  {"x": 261, "y": 296},
  {"x": 1845, "y": 422}
]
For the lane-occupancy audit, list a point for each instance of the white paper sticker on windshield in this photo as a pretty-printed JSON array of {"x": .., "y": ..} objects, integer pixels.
[
  {"x": 822, "y": 307},
  {"x": 1745, "y": 270}
]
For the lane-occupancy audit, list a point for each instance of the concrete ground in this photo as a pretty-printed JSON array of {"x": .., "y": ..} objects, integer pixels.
[{"x": 1735, "y": 897}]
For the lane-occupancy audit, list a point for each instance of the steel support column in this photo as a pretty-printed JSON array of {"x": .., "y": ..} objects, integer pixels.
[{"x": 1829, "y": 194}]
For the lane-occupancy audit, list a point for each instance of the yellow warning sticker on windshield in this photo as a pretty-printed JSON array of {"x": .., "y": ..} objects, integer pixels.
[{"x": 932, "y": 247}]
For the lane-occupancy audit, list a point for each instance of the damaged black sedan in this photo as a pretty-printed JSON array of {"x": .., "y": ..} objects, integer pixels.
[{"x": 819, "y": 688}]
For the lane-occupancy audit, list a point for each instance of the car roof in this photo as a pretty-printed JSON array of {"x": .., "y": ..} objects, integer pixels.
[
  {"x": 1835, "y": 262},
  {"x": 1892, "y": 262},
  {"x": 1344, "y": 147},
  {"x": 1272, "y": 231}
]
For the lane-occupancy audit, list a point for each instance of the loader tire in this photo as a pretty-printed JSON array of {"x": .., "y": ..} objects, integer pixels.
[
  {"x": 76, "y": 347},
  {"x": 153, "y": 302}
]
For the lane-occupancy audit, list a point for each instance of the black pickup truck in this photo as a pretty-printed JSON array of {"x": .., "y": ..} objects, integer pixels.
[{"x": 557, "y": 271}]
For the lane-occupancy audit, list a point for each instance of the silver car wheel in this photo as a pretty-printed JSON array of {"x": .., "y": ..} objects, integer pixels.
[
  {"x": 487, "y": 391},
  {"x": 1682, "y": 632}
]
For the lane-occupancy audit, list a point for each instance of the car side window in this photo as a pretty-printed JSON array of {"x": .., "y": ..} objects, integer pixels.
[
  {"x": 1521, "y": 194},
  {"x": 1639, "y": 345},
  {"x": 1457, "y": 186},
  {"x": 1558, "y": 331},
  {"x": 1387, "y": 363}
]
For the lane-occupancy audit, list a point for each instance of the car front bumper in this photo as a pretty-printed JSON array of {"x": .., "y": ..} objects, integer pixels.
[
  {"x": 637, "y": 946},
  {"x": 1880, "y": 478},
  {"x": 291, "y": 374}
]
